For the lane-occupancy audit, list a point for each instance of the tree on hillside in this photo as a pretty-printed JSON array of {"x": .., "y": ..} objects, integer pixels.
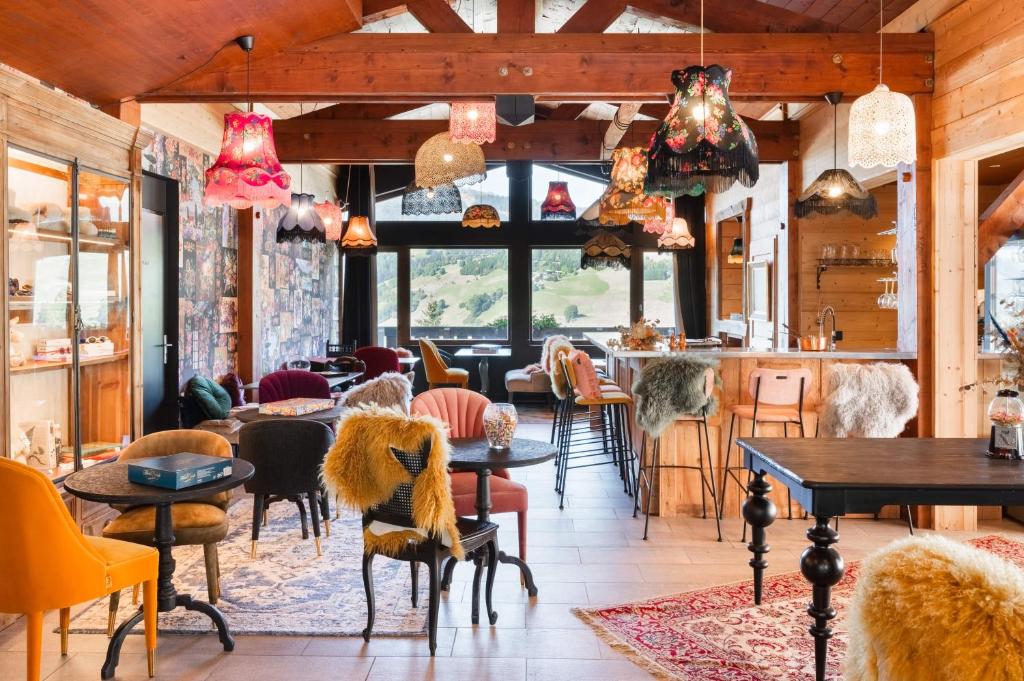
[
  {"x": 478, "y": 303},
  {"x": 572, "y": 313},
  {"x": 542, "y": 322},
  {"x": 433, "y": 312}
]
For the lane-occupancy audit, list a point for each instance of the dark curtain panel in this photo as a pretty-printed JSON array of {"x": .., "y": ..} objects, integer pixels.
[
  {"x": 690, "y": 268},
  {"x": 359, "y": 294}
]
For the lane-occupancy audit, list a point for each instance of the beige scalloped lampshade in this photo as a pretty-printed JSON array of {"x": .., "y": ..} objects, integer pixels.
[{"x": 439, "y": 161}]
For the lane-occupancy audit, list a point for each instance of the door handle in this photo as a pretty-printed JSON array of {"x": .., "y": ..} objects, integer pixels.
[{"x": 165, "y": 345}]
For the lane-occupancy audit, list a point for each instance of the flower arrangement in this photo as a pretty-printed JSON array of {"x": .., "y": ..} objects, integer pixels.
[
  {"x": 642, "y": 335},
  {"x": 1009, "y": 341}
]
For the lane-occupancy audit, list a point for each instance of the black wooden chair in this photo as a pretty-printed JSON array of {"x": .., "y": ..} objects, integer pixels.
[
  {"x": 479, "y": 540},
  {"x": 287, "y": 454}
]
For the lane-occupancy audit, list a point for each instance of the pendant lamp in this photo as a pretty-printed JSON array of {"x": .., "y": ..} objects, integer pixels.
[
  {"x": 558, "y": 204},
  {"x": 439, "y": 200},
  {"x": 883, "y": 131},
  {"x": 735, "y": 256},
  {"x": 359, "y": 239},
  {"x": 605, "y": 250},
  {"x": 703, "y": 144},
  {"x": 658, "y": 225},
  {"x": 301, "y": 222},
  {"x": 247, "y": 172},
  {"x": 678, "y": 238},
  {"x": 624, "y": 200},
  {"x": 836, "y": 190},
  {"x": 472, "y": 122},
  {"x": 440, "y": 161},
  {"x": 481, "y": 215},
  {"x": 333, "y": 217}
]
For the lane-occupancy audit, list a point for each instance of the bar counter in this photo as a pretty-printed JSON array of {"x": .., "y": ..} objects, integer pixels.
[{"x": 678, "y": 492}]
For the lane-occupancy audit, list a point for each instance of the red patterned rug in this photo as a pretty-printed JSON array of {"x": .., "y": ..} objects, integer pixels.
[{"x": 717, "y": 634}]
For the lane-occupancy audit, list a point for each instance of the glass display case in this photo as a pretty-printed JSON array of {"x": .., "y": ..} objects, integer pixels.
[
  {"x": 69, "y": 297},
  {"x": 1004, "y": 291}
]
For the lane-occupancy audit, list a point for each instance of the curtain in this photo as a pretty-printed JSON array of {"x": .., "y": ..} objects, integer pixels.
[
  {"x": 359, "y": 273},
  {"x": 689, "y": 268}
]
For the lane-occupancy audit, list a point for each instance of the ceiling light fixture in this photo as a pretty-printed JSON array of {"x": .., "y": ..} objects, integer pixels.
[
  {"x": 440, "y": 161},
  {"x": 473, "y": 122},
  {"x": 558, "y": 204}
]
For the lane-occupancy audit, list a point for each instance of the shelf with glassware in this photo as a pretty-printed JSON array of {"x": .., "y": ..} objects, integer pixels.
[{"x": 69, "y": 308}]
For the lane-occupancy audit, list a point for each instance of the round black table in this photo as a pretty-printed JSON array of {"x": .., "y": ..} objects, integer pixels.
[
  {"x": 109, "y": 484},
  {"x": 325, "y": 416},
  {"x": 474, "y": 454}
]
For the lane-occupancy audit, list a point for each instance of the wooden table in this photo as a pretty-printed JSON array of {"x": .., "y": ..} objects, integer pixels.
[
  {"x": 484, "y": 365},
  {"x": 110, "y": 485},
  {"x": 325, "y": 416},
  {"x": 833, "y": 477},
  {"x": 475, "y": 454},
  {"x": 335, "y": 379}
]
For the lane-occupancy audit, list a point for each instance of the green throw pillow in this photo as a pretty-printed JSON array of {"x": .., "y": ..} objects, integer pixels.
[{"x": 213, "y": 400}]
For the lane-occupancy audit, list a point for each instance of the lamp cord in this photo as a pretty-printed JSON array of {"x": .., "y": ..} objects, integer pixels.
[
  {"x": 835, "y": 137},
  {"x": 881, "y": 25},
  {"x": 702, "y": 32},
  {"x": 248, "y": 77}
]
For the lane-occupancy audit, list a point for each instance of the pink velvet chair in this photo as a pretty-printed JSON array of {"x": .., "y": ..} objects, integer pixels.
[
  {"x": 289, "y": 383},
  {"x": 463, "y": 411},
  {"x": 378, "y": 361}
]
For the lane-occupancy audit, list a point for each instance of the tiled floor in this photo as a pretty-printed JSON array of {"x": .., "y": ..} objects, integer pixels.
[{"x": 589, "y": 554}]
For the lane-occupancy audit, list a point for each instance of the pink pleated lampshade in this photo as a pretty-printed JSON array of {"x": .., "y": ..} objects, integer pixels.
[
  {"x": 333, "y": 219},
  {"x": 247, "y": 172}
]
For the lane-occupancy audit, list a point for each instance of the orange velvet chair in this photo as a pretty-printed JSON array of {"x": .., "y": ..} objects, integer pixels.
[
  {"x": 463, "y": 411},
  {"x": 47, "y": 563},
  {"x": 437, "y": 371}
]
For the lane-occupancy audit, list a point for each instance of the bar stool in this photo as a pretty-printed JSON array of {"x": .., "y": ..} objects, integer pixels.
[
  {"x": 654, "y": 415},
  {"x": 778, "y": 396},
  {"x": 604, "y": 408}
]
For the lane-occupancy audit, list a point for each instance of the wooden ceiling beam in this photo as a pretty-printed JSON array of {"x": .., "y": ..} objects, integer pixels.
[
  {"x": 366, "y": 141},
  {"x": 789, "y": 67},
  {"x": 568, "y": 112},
  {"x": 437, "y": 16},
  {"x": 360, "y": 111},
  {"x": 1003, "y": 219},
  {"x": 594, "y": 17},
  {"x": 517, "y": 16},
  {"x": 739, "y": 16}
]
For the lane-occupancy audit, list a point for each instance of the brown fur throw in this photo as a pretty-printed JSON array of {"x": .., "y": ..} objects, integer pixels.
[
  {"x": 361, "y": 470},
  {"x": 868, "y": 400},
  {"x": 387, "y": 390},
  {"x": 668, "y": 388},
  {"x": 558, "y": 349},
  {"x": 930, "y": 609},
  {"x": 545, "y": 351}
]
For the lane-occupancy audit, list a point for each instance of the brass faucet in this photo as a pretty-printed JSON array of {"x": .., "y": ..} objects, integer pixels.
[{"x": 828, "y": 310}]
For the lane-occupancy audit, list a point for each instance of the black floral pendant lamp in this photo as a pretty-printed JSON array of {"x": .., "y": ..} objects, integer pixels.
[
  {"x": 836, "y": 190},
  {"x": 703, "y": 144}
]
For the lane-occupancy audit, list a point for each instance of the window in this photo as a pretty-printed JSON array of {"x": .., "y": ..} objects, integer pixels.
[
  {"x": 458, "y": 293},
  {"x": 570, "y": 300},
  {"x": 493, "y": 190},
  {"x": 387, "y": 299},
  {"x": 583, "y": 191},
  {"x": 659, "y": 289}
]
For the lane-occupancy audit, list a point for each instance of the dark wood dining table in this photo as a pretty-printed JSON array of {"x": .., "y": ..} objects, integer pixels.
[
  {"x": 833, "y": 477},
  {"x": 109, "y": 484},
  {"x": 475, "y": 454},
  {"x": 325, "y": 416}
]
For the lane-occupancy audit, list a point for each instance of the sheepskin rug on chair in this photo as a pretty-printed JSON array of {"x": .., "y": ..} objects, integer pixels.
[
  {"x": 930, "y": 609},
  {"x": 868, "y": 400}
]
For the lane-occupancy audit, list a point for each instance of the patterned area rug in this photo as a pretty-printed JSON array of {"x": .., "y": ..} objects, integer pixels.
[
  {"x": 287, "y": 589},
  {"x": 717, "y": 634}
]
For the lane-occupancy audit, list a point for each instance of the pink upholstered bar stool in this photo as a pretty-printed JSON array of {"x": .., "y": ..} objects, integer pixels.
[{"x": 778, "y": 396}]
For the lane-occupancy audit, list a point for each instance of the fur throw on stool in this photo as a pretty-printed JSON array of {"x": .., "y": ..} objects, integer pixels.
[
  {"x": 556, "y": 351},
  {"x": 667, "y": 388},
  {"x": 930, "y": 609},
  {"x": 868, "y": 400},
  {"x": 545, "y": 350},
  {"x": 387, "y": 390}
]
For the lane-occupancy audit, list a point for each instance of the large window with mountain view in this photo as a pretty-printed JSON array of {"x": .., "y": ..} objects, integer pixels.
[
  {"x": 569, "y": 300},
  {"x": 387, "y": 299},
  {"x": 659, "y": 289},
  {"x": 458, "y": 293}
]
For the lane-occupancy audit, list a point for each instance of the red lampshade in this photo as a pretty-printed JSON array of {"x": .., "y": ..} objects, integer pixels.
[
  {"x": 558, "y": 205},
  {"x": 247, "y": 172},
  {"x": 472, "y": 122},
  {"x": 332, "y": 217}
]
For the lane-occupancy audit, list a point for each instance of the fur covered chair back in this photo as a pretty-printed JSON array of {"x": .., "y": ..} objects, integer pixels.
[
  {"x": 868, "y": 400},
  {"x": 667, "y": 388},
  {"x": 558, "y": 350},
  {"x": 387, "y": 390},
  {"x": 545, "y": 351},
  {"x": 931, "y": 609}
]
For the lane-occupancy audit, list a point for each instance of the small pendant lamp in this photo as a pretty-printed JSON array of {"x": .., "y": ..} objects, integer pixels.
[
  {"x": 301, "y": 222},
  {"x": 605, "y": 250},
  {"x": 656, "y": 225},
  {"x": 440, "y": 161},
  {"x": 883, "y": 129},
  {"x": 247, "y": 172},
  {"x": 440, "y": 200},
  {"x": 735, "y": 256},
  {"x": 481, "y": 215},
  {"x": 703, "y": 144},
  {"x": 836, "y": 190},
  {"x": 678, "y": 238},
  {"x": 558, "y": 204},
  {"x": 333, "y": 217},
  {"x": 359, "y": 239},
  {"x": 624, "y": 200},
  {"x": 473, "y": 122}
]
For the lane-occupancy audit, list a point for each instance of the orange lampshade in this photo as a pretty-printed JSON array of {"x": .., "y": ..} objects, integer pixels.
[{"x": 359, "y": 238}]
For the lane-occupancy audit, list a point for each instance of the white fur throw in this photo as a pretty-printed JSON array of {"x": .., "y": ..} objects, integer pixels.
[
  {"x": 558, "y": 348},
  {"x": 930, "y": 609},
  {"x": 545, "y": 351},
  {"x": 668, "y": 388},
  {"x": 387, "y": 390},
  {"x": 868, "y": 400}
]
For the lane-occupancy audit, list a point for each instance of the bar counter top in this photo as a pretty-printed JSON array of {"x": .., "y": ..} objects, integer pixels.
[{"x": 600, "y": 340}]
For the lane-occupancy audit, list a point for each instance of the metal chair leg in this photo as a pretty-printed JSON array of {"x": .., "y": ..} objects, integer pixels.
[{"x": 711, "y": 474}]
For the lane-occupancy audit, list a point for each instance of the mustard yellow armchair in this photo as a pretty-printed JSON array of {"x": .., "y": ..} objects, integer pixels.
[
  {"x": 46, "y": 563},
  {"x": 437, "y": 371}
]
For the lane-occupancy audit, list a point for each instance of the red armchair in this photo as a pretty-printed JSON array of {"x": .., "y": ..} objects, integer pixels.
[
  {"x": 378, "y": 361},
  {"x": 463, "y": 411},
  {"x": 289, "y": 383}
]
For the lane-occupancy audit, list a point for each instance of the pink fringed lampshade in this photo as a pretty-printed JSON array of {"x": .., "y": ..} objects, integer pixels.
[
  {"x": 660, "y": 225},
  {"x": 472, "y": 122},
  {"x": 332, "y": 217},
  {"x": 247, "y": 172}
]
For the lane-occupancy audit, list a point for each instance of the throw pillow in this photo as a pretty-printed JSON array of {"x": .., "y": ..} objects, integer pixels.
[
  {"x": 214, "y": 401},
  {"x": 587, "y": 384},
  {"x": 233, "y": 384}
]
